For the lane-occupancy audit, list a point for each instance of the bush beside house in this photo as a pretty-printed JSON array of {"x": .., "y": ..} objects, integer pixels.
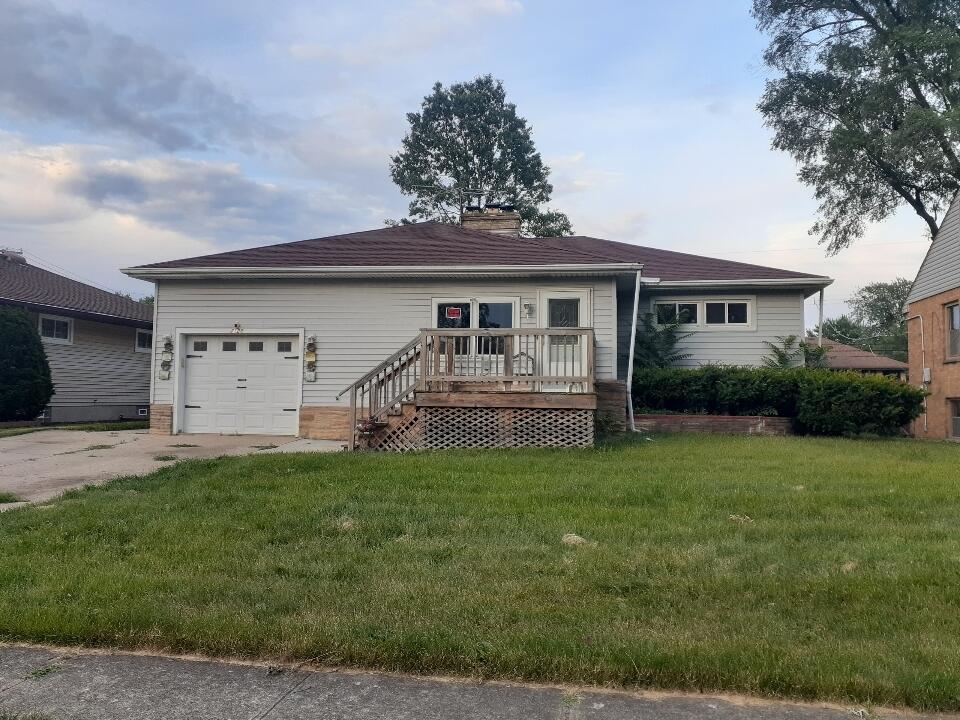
[
  {"x": 25, "y": 384},
  {"x": 819, "y": 402}
]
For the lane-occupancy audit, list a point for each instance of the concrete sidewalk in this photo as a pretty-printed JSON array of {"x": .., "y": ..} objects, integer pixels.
[{"x": 80, "y": 685}]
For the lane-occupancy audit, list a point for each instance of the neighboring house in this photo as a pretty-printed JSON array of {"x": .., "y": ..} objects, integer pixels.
[
  {"x": 933, "y": 323},
  {"x": 98, "y": 343},
  {"x": 311, "y": 337},
  {"x": 848, "y": 357}
]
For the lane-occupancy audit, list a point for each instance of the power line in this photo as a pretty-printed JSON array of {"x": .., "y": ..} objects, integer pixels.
[{"x": 68, "y": 273}]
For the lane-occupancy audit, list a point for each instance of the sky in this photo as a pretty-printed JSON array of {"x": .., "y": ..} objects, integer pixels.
[{"x": 141, "y": 131}]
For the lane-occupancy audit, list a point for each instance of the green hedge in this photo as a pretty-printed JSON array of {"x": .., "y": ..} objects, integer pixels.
[{"x": 820, "y": 402}]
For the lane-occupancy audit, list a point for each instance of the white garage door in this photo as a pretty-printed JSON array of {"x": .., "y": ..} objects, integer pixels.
[{"x": 241, "y": 385}]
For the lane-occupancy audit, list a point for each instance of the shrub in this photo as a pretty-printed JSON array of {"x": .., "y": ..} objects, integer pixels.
[
  {"x": 25, "y": 385},
  {"x": 821, "y": 402}
]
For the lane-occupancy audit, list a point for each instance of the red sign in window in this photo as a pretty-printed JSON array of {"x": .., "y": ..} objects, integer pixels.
[{"x": 454, "y": 313}]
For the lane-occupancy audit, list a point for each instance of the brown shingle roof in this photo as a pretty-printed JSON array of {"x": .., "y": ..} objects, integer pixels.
[
  {"x": 23, "y": 284},
  {"x": 847, "y": 357},
  {"x": 439, "y": 244}
]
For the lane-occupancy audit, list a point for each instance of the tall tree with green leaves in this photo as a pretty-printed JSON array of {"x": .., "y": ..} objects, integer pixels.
[
  {"x": 876, "y": 321},
  {"x": 468, "y": 142},
  {"x": 867, "y": 101}
]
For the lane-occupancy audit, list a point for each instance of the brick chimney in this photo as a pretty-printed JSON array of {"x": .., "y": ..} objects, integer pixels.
[
  {"x": 500, "y": 219},
  {"x": 13, "y": 256}
]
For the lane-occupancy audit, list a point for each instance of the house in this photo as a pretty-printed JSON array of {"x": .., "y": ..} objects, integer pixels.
[
  {"x": 98, "y": 343},
  {"x": 933, "y": 326},
  {"x": 847, "y": 357},
  {"x": 437, "y": 335}
]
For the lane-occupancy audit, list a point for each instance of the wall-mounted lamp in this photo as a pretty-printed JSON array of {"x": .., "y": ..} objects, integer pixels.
[
  {"x": 237, "y": 329},
  {"x": 529, "y": 310}
]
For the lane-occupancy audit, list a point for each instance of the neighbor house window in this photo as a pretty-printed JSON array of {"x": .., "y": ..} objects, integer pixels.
[
  {"x": 56, "y": 329},
  {"x": 953, "y": 331},
  {"x": 955, "y": 419},
  {"x": 687, "y": 313},
  {"x": 144, "y": 341}
]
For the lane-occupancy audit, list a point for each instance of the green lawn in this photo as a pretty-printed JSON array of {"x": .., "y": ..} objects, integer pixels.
[
  {"x": 90, "y": 427},
  {"x": 791, "y": 567}
]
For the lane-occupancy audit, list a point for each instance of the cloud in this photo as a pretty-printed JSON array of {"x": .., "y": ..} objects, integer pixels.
[
  {"x": 56, "y": 66},
  {"x": 411, "y": 31}
]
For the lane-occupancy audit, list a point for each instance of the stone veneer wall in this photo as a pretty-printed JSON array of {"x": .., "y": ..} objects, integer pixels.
[
  {"x": 161, "y": 419},
  {"x": 612, "y": 405},
  {"x": 319, "y": 422}
]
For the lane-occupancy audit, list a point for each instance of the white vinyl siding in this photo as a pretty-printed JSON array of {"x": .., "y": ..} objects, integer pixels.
[
  {"x": 100, "y": 367},
  {"x": 357, "y": 323},
  {"x": 772, "y": 315},
  {"x": 940, "y": 270}
]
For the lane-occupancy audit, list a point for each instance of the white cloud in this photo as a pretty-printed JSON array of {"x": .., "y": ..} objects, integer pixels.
[{"x": 404, "y": 31}]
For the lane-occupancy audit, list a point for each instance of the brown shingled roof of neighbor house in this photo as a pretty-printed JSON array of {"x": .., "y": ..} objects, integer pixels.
[
  {"x": 847, "y": 357},
  {"x": 36, "y": 288},
  {"x": 433, "y": 244}
]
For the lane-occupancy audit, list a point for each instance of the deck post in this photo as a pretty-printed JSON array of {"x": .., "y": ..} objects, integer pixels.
[{"x": 353, "y": 420}]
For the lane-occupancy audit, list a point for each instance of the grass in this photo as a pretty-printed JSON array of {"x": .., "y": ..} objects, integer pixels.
[
  {"x": 788, "y": 567},
  {"x": 8, "y": 497},
  {"x": 88, "y": 427}
]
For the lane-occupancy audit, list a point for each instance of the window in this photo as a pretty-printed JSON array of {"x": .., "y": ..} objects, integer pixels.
[
  {"x": 953, "y": 330},
  {"x": 199, "y": 345},
  {"x": 955, "y": 419},
  {"x": 705, "y": 314},
  {"x": 56, "y": 329},
  {"x": 284, "y": 346},
  {"x": 688, "y": 313},
  {"x": 144, "y": 341},
  {"x": 255, "y": 346},
  {"x": 464, "y": 314},
  {"x": 229, "y": 346}
]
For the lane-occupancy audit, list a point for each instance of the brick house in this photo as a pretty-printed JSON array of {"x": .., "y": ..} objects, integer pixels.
[{"x": 933, "y": 323}]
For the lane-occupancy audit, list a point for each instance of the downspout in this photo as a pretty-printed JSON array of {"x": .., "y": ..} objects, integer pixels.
[
  {"x": 633, "y": 344},
  {"x": 820, "y": 325},
  {"x": 923, "y": 367}
]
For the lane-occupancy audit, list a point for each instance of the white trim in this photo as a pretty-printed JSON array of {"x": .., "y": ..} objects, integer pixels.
[
  {"x": 701, "y": 301},
  {"x": 136, "y": 341},
  {"x": 153, "y": 357},
  {"x": 384, "y": 270},
  {"x": 56, "y": 318},
  {"x": 179, "y": 353},
  {"x": 633, "y": 349},
  {"x": 545, "y": 294}
]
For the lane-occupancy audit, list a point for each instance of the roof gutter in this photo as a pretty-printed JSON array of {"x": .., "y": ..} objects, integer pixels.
[
  {"x": 764, "y": 282},
  {"x": 353, "y": 271}
]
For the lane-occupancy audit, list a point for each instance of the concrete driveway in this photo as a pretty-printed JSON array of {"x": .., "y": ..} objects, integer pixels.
[{"x": 41, "y": 465}]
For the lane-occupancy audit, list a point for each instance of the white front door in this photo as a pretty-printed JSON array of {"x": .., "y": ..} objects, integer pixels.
[
  {"x": 564, "y": 355},
  {"x": 241, "y": 384}
]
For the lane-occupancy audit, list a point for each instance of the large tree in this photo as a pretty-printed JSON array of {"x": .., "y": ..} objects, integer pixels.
[
  {"x": 467, "y": 145},
  {"x": 876, "y": 321},
  {"x": 867, "y": 100}
]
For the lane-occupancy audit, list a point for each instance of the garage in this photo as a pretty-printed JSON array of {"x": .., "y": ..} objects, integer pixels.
[{"x": 241, "y": 385}]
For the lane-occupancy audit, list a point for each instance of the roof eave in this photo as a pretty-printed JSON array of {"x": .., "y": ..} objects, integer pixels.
[
  {"x": 811, "y": 284},
  {"x": 74, "y": 312},
  {"x": 384, "y": 271}
]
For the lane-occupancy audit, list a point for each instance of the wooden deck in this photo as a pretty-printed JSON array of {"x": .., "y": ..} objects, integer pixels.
[{"x": 510, "y": 378}]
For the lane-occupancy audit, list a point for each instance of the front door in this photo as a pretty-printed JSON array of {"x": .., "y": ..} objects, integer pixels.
[{"x": 564, "y": 355}]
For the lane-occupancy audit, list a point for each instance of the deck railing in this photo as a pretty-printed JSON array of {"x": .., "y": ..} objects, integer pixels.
[
  {"x": 527, "y": 359},
  {"x": 492, "y": 360}
]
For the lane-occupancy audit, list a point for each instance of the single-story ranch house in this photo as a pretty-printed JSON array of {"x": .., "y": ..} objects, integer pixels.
[
  {"x": 99, "y": 344},
  {"x": 438, "y": 335}
]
